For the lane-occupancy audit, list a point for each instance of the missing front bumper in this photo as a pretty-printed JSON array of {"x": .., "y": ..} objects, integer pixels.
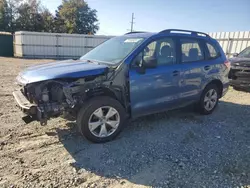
[
  {"x": 30, "y": 110},
  {"x": 34, "y": 112},
  {"x": 24, "y": 104}
]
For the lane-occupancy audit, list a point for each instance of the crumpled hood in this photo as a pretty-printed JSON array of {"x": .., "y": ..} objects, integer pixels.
[{"x": 60, "y": 69}]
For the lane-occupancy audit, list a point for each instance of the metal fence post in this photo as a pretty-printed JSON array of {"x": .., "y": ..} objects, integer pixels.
[
  {"x": 229, "y": 46},
  {"x": 57, "y": 52}
]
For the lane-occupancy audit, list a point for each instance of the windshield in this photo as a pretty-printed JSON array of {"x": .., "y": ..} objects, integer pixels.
[
  {"x": 113, "y": 50},
  {"x": 245, "y": 53}
]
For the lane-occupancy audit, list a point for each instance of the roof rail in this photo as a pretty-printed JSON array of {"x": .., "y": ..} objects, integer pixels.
[
  {"x": 195, "y": 33},
  {"x": 133, "y": 32}
]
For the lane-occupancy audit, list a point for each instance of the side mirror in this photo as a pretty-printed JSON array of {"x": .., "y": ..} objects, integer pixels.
[
  {"x": 141, "y": 70},
  {"x": 146, "y": 50},
  {"x": 235, "y": 54},
  {"x": 139, "y": 64},
  {"x": 142, "y": 63},
  {"x": 150, "y": 63}
]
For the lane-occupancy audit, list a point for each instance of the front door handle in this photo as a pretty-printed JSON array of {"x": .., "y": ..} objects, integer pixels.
[
  {"x": 207, "y": 67},
  {"x": 176, "y": 73}
]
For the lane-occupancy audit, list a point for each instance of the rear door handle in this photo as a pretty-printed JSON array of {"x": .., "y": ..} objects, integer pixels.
[
  {"x": 207, "y": 67},
  {"x": 176, "y": 73}
]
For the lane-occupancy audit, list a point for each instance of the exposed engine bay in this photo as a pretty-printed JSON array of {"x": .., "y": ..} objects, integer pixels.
[{"x": 53, "y": 98}]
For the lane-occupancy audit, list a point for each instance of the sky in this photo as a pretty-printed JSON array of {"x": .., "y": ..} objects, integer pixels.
[{"x": 155, "y": 15}]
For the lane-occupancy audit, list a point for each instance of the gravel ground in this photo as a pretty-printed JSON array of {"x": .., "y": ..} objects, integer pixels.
[{"x": 174, "y": 149}]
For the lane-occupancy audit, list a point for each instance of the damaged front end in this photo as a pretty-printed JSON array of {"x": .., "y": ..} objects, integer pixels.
[
  {"x": 60, "y": 88},
  {"x": 239, "y": 76},
  {"x": 43, "y": 100}
]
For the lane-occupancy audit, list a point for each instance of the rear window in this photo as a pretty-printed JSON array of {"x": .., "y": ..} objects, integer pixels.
[{"x": 213, "y": 52}]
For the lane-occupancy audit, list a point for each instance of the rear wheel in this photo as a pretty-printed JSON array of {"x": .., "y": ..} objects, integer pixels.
[
  {"x": 101, "y": 119},
  {"x": 237, "y": 89},
  {"x": 209, "y": 99}
]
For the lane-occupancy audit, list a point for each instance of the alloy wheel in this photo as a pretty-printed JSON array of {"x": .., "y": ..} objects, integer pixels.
[
  {"x": 210, "y": 99},
  {"x": 104, "y": 121}
]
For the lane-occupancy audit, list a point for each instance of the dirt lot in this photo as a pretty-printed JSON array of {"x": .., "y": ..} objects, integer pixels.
[{"x": 174, "y": 149}]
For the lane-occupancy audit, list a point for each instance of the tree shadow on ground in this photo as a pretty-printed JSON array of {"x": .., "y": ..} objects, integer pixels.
[{"x": 174, "y": 149}]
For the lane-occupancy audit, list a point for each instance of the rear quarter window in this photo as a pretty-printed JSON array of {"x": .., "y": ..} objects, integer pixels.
[{"x": 213, "y": 51}]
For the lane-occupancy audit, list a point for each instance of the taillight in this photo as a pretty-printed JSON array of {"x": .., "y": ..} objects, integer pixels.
[{"x": 227, "y": 64}]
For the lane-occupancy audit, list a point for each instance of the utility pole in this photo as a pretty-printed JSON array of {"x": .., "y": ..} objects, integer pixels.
[{"x": 132, "y": 23}]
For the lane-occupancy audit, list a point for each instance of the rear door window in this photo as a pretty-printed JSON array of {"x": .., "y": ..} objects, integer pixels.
[
  {"x": 191, "y": 50},
  {"x": 213, "y": 52}
]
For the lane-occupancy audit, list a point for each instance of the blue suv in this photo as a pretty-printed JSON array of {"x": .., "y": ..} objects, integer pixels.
[{"x": 129, "y": 76}]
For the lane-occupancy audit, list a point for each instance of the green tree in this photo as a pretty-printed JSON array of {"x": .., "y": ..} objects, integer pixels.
[
  {"x": 77, "y": 17},
  {"x": 4, "y": 16},
  {"x": 73, "y": 16},
  {"x": 47, "y": 20},
  {"x": 87, "y": 19},
  {"x": 12, "y": 14},
  {"x": 29, "y": 17},
  {"x": 59, "y": 24}
]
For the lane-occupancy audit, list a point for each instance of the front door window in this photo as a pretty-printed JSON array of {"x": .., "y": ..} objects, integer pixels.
[{"x": 162, "y": 51}]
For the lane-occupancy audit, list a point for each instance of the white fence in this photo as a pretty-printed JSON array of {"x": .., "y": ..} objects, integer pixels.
[
  {"x": 64, "y": 46},
  {"x": 54, "y": 45},
  {"x": 232, "y": 42}
]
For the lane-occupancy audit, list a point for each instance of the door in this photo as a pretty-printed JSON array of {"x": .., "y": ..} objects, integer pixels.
[
  {"x": 155, "y": 88},
  {"x": 196, "y": 69}
]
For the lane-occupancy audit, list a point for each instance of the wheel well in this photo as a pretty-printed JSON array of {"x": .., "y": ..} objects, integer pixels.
[
  {"x": 117, "y": 95},
  {"x": 219, "y": 84},
  {"x": 101, "y": 92},
  {"x": 107, "y": 92}
]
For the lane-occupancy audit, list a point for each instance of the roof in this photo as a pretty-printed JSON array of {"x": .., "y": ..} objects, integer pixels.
[
  {"x": 170, "y": 32},
  {"x": 140, "y": 34}
]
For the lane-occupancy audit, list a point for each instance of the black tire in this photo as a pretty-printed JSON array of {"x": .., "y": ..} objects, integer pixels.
[
  {"x": 236, "y": 88},
  {"x": 240, "y": 89},
  {"x": 89, "y": 107},
  {"x": 201, "y": 104}
]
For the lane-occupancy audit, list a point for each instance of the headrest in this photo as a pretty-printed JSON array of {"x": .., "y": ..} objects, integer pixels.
[
  {"x": 193, "y": 52},
  {"x": 166, "y": 50}
]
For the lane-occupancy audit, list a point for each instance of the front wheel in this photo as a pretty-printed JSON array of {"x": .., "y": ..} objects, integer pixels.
[
  {"x": 101, "y": 119},
  {"x": 209, "y": 99}
]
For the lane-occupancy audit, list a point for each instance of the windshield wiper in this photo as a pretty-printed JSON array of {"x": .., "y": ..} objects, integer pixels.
[
  {"x": 89, "y": 61},
  {"x": 97, "y": 61}
]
